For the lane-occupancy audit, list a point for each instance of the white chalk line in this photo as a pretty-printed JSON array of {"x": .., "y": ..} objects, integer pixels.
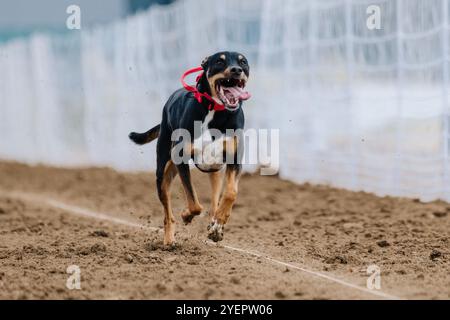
[{"x": 105, "y": 217}]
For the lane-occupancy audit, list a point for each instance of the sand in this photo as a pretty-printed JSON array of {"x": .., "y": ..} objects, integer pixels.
[{"x": 336, "y": 232}]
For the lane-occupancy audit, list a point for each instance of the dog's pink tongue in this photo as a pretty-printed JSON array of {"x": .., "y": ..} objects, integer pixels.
[{"x": 239, "y": 93}]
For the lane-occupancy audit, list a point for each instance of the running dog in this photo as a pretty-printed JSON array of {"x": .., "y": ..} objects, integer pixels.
[{"x": 221, "y": 85}]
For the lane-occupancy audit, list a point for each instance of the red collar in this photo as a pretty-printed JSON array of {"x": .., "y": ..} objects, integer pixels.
[{"x": 213, "y": 105}]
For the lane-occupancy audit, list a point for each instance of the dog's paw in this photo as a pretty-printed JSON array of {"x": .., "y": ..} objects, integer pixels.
[
  {"x": 215, "y": 230},
  {"x": 187, "y": 219},
  {"x": 187, "y": 215},
  {"x": 171, "y": 247},
  {"x": 169, "y": 240},
  {"x": 170, "y": 243}
]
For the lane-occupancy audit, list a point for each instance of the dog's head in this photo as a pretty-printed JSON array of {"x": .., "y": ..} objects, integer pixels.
[{"x": 226, "y": 74}]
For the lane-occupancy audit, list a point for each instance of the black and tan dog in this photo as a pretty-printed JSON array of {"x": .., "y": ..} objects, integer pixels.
[{"x": 224, "y": 78}]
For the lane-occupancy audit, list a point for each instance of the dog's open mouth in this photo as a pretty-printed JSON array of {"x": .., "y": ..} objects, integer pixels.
[{"x": 231, "y": 91}]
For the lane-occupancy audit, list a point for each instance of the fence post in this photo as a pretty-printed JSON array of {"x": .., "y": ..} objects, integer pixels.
[
  {"x": 349, "y": 65},
  {"x": 312, "y": 48},
  {"x": 221, "y": 32},
  {"x": 445, "y": 83},
  {"x": 396, "y": 156}
]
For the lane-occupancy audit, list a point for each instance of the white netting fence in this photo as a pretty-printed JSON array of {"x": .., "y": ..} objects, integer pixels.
[{"x": 356, "y": 108}]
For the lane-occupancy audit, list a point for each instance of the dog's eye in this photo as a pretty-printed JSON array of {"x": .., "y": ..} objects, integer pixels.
[
  {"x": 243, "y": 62},
  {"x": 220, "y": 62}
]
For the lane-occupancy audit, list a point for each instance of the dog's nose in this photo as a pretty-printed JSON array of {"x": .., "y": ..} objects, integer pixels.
[{"x": 236, "y": 70}]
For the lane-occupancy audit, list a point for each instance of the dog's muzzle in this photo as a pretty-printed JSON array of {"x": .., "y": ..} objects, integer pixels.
[{"x": 231, "y": 91}]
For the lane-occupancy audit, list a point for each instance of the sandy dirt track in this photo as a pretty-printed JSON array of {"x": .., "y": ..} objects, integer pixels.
[{"x": 333, "y": 231}]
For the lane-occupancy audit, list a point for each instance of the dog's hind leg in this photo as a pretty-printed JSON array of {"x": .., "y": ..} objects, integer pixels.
[
  {"x": 166, "y": 171},
  {"x": 216, "y": 180},
  {"x": 226, "y": 203},
  {"x": 194, "y": 208},
  {"x": 164, "y": 182}
]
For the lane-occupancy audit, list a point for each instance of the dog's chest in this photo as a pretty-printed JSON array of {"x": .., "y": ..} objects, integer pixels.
[{"x": 209, "y": 151}]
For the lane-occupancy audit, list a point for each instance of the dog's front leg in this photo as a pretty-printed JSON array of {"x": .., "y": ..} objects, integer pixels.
[
  {"x": 164, "y": 184},
  {"x": 226, "y": 203},
  {"x": 194, "y": 207},
  {"x": 216, "y": 180}
]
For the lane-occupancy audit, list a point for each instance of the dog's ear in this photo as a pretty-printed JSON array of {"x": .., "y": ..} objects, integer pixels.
[{"x": 205, "y": 63}]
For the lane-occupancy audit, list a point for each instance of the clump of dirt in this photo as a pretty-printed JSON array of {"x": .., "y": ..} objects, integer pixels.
[
  {"x": 336, "y": 259},
  {"x": 440, "y": 214},
  {"x": 383, "y": 243},
  {"x": 100, "y": 233},
  {"x": 435, "y": 254}
]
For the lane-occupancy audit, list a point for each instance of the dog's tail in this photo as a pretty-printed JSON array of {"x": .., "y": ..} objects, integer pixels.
[{"x": 146, "y": 137}]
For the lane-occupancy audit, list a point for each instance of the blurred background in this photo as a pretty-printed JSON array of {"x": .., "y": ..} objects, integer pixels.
[
  {"x": 358, "y": 108},
  {"x": 24, "y": 17}
]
